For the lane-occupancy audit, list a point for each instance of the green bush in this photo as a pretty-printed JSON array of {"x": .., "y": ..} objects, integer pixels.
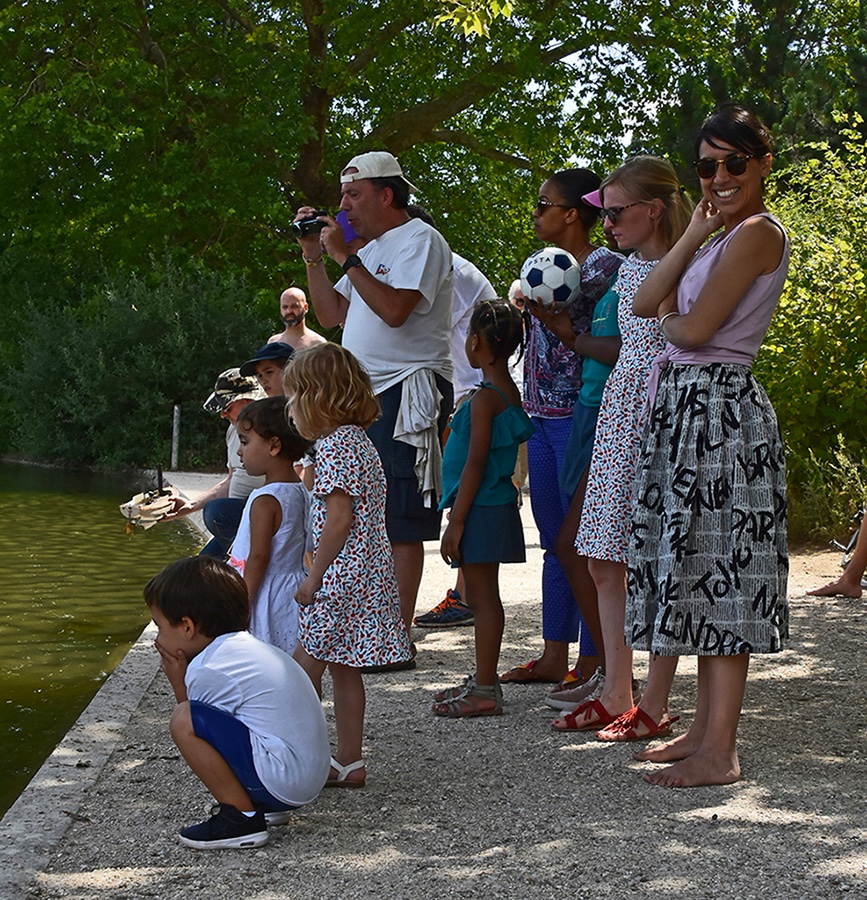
[
  {"x": 97, "y": 382},
  {"x": 814, "y": 360}
]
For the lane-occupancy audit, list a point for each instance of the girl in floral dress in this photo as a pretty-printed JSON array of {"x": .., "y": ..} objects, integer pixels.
[{"x": 350, "y": 607}]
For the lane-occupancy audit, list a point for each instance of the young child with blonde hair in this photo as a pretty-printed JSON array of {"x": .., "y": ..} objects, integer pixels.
[{"x": 350, "y": 606}]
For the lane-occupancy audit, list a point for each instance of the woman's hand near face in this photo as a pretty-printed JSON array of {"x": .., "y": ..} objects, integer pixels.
[{"x": 706, "y": 219}]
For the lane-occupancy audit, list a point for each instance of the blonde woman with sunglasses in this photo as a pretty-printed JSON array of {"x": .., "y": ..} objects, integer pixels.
[
  {"x": 708, "y": 559},
  {"x": 646, "y": 212}
]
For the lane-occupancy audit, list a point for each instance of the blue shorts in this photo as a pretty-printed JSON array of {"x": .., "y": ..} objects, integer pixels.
[
  {"x": 579, "y": 450},
  {"x": 504, "y": 521},
  {"x": 231, "y": 739}
]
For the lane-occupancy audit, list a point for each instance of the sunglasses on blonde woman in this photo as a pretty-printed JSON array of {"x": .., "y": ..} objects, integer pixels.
[{"x": 612, "y": 213}]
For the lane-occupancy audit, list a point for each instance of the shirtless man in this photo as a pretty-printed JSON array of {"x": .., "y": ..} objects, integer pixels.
[{"x": 293, "y": 310}]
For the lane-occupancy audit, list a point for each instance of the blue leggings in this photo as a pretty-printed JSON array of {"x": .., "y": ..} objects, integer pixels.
[{"x": 561, "y": 619}]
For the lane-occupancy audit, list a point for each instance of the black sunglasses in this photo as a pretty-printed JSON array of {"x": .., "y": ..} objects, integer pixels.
[
  {"x": 542, "y": 205},
  {"x": 736, "y": 164},
  {"x": 612, "y": 213}
]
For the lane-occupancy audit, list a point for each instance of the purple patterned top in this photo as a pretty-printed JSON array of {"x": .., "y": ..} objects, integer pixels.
[{"x": 552, "y": 371}]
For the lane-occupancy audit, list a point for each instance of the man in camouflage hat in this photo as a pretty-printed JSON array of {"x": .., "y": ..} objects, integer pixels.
[{"x": 223, "y": 504}]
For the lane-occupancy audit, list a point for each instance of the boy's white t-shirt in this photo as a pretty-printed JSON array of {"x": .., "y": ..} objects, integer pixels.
[
  {"x": 414, "y": 257},
  {"x": 270, "y": 693}
]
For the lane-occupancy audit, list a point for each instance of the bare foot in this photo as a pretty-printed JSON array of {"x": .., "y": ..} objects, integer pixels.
[
  {"x": 703, "y": 768},
  {"x": 839, "y": 588},
  {"x": 681, "y": 747}
]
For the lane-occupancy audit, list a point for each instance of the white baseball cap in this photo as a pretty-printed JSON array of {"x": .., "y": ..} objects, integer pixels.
[{"x": 376, "y": 164}]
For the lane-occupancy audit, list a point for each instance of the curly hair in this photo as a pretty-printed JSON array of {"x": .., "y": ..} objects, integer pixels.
[
  {"x": 269, "y": 420},
  {"x": 327, "y": 387},
  {"x": 500, "y": 324}
]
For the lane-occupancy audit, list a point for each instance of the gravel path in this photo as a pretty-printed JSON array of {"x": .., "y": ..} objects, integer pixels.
[{"x": 506, "y": 807}]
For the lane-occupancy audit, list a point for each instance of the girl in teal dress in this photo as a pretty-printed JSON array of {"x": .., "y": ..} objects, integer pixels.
[{"x": 484, "y": 526}]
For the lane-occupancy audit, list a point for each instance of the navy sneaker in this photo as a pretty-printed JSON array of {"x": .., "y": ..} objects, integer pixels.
[
  {"x": 227, "y": 829},
  {"x": 446, "y": 614}
]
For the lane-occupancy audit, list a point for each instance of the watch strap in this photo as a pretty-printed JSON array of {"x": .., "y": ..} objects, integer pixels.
[{"x": 352, "y": 261}]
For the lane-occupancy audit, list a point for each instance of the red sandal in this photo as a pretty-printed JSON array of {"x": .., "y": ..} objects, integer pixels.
[
  {"x": 587, "y": 717},
  {"x": 526, "y": 674},
  {"x": 623, "y": 727}
]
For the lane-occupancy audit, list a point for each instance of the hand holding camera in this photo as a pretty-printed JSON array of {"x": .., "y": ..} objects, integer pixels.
[
  {"x": 314, "y": 227},
  {"x": 309, "y": 224}
]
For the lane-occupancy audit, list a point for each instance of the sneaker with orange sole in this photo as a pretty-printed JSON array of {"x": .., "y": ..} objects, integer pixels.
[{"x": 450, "y": 612}]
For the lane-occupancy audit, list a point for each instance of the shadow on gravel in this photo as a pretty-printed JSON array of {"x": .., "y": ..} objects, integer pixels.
[{"x": 505, "y": 807}]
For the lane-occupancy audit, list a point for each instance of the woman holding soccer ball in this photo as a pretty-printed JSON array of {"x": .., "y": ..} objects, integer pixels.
[
  {"x": 646, "y": 211},
  {"x": 552, "y": 379}
]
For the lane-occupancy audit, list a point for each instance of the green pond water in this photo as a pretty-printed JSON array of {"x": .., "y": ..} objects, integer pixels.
[{"x": 70, "y": 602}]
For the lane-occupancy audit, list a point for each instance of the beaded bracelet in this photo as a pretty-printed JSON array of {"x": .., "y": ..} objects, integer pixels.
[{"x": 310, "y": 263}]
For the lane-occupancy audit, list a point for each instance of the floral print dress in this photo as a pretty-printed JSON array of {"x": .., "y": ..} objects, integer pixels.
[
  {"x": 356, "y": 619},
  {"x": 608, "y": 503}
]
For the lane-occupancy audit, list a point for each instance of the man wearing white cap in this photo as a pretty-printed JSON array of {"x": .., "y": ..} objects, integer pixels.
[{"x": 395, "y": 299}]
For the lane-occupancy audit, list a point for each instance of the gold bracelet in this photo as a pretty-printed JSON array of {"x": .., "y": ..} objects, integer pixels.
[{"x": 310, "y": 263}]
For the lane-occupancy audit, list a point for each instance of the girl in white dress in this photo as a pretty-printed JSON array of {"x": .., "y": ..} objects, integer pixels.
[{"x": 269, "y": 547}]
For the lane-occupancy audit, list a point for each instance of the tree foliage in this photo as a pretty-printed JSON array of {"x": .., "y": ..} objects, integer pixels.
[
  {"x": 814, "y": 360},
  {"x": 207, "y": 122},
  {"x": 129, "y": 352}
]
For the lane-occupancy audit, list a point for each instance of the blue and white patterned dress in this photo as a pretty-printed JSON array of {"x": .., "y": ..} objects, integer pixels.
[{"x": 608, "y": 503}]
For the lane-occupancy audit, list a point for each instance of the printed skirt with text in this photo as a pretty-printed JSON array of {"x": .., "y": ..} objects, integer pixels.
[{"x": 708, "y": 561}]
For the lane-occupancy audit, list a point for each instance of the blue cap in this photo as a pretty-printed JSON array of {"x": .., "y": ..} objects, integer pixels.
[{"x": 274, "y": 350}]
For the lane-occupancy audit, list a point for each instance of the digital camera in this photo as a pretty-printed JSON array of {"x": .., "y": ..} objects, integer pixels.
[{"x": 313, "y": 225}]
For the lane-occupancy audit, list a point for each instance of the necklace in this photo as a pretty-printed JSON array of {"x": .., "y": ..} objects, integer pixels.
[{"x": 582, "y": 257}]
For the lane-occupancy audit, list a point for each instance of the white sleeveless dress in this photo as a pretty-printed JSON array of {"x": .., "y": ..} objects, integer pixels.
[{"x": 274, "y": 612}]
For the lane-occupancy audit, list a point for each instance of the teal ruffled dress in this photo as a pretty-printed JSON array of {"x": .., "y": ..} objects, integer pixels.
[{"x": 493, "y": 530}]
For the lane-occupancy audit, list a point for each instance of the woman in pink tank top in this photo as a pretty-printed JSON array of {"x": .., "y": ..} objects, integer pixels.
[{"x": 707, "y": 558}]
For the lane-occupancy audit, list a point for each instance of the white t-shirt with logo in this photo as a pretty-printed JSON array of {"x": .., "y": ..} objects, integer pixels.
[{"x": 416, "y": 257}]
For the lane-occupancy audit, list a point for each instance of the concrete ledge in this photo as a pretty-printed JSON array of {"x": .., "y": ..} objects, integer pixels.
[{"x": 35, "y": 823}]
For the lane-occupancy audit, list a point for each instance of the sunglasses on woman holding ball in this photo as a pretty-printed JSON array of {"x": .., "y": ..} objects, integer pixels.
[{"x": 736, "y": 164}]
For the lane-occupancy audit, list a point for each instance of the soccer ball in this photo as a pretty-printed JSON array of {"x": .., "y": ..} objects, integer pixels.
[{"x": 550, "y": 276}]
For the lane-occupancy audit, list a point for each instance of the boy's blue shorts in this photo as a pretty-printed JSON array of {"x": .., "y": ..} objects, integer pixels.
[{"x": 231, "y": 739}]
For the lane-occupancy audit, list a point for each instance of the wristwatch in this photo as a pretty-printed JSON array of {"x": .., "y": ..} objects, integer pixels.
[{"x": 352, "y": 261}]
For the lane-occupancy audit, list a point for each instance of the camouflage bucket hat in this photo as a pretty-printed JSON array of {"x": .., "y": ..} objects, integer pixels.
[{"x": 231, "y": 386}]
